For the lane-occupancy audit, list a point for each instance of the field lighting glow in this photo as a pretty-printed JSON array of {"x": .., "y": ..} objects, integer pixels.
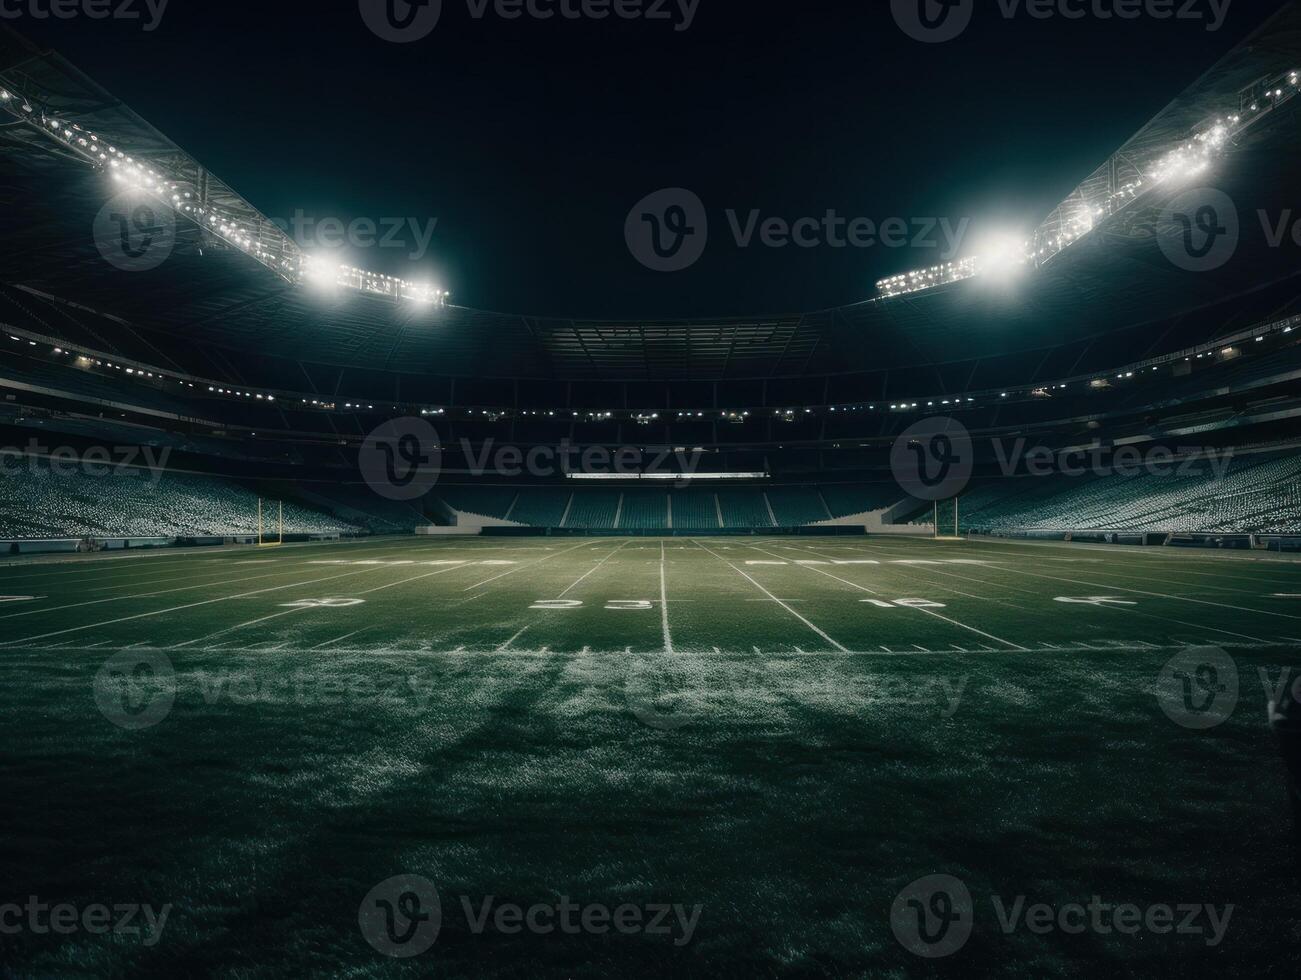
[{"x": 1188, "y": 160}]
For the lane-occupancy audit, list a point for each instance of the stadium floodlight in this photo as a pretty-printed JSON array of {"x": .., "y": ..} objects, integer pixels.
[
  {"x": 249, "y": 231},
  {"x": 1086, "y": 208}
]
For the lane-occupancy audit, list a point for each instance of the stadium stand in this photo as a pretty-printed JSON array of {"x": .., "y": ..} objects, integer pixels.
[
  {"x": 493, "y": 502},
  {"x": 694, "y": 510},
  {"x": 36, "y": 501},
  {"x": 541, "y": 508},
  {"x": 744, "y": 509},
  {"x": 797, "y": 506},
  {"x": 645, "y": 510},
  {"x": 362, "y": 506},
  {"x": 594, "y": 510},
  {"x": 1258, "y": 494},
  {"x": 847, "y": 500}
]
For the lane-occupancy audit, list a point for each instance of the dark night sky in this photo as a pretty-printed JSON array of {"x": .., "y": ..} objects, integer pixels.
[{"x": 531, "y": 140}]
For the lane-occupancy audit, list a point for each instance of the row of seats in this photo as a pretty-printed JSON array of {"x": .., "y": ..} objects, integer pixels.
[
  {"x": 662, "y": 510},
  {"x": 37, "y": 501},
  {"x": 1257, "y": 494}
]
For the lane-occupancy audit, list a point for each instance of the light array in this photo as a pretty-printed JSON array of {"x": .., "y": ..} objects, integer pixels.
[
  {"x": 1230, "y": 348},
  {"x": 1184, "y": 162},
  {"x": 939, "y": 275},
  {"x": 259, "y": 239}
]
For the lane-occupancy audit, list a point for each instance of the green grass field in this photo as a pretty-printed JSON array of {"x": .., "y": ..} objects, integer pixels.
[{"x": 782, "y": 732}]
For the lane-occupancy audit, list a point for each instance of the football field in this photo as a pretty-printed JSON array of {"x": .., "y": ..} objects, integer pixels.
[{"x": 770, "y": 737}]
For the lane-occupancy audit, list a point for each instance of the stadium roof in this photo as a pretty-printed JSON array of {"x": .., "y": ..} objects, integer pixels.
[{"x": 242, "y": 291}]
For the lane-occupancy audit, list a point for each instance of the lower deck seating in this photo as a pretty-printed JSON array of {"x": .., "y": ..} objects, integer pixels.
[
  {"x": 39, "y": 502},
  {"x": 594, "y": 510},
  {"x": 797, "y": 506},
  {"x": 1257, "y": 494},
  {"x": 851, "y": 499},
  {"x": 694, "y": 510},
  {"x": 744, "y": 508},
  {"x": 644, "y": 510},
  {"x": 541, "y": 507}
]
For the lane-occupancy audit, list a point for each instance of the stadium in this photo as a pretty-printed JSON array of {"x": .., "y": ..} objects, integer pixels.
[{"x": 803, "y": 644}]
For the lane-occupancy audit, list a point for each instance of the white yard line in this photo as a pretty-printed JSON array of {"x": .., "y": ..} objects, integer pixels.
[
  {"x": 191, "y": 605},
  {"x": 170, "y": 578},
  {"x": 1147, "y": 615},
  {"x": 929, "y": 612},
  {"x": 526, "y": 565},
  {"x": 507, "y": 645},
  {"x": 779, "y": 602},
  {"x": 593, "y": 569},
  {"x": 664, "y": 602},
  {"x": 346, "y": 636},
  {"x": 290, "y": 612}
]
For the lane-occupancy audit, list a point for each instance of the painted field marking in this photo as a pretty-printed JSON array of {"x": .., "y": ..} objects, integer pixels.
[
  {"x": 904, "y": 604},
  {"x": 20, "y": 598},
  {"x": 740, "y": 572},
  {"x": 594, "y": 568},
  {"x": 520, "y": 568},
  {"x": 323, "y": 604},
  {"x": 923, "y": 609},
  {"x": 312, "y": 603},
  {"x": 664, "y": 602},
  {"x": 1096, "y": 600},
  {"x": 1159, "y": 595},
  {"x": 189, "y": 605}
]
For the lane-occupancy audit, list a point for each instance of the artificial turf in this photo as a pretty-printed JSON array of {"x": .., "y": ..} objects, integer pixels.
[{"x": 783, "y": 733}]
